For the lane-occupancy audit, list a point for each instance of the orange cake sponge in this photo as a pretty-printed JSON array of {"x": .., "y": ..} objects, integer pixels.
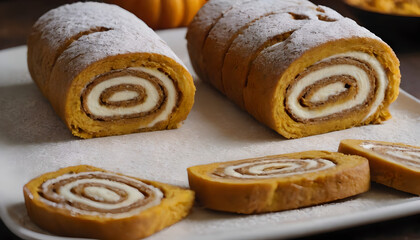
[
  {"x": 395, "y": 165},
  {"x": 279, "y": 182},
  {"x": 85, "y": 201}
]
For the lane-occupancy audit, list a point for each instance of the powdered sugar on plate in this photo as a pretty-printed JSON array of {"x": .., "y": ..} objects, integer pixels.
[{"x": 33, "y": 141}]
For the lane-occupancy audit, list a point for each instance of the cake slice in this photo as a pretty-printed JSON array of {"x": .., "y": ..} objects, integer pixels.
[
  {"x": 85, "y": 201},
  {"x": 279, "y": 182},
  {"x": 395, "y": 165}
]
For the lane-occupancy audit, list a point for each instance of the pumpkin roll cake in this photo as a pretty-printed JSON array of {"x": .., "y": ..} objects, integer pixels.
[
  {"x": 395, "y": 165},
  {"x": 105, "y": 72},
  {"x": 279, "y": 182},
  {"x": 85, "y": 201},
  {"x": 299, "y": 68}
]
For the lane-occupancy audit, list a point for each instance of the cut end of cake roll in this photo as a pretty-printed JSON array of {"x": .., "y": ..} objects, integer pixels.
[
  {"x": 85, "y": 201},
  {"x": 395, "y": 165},
  {"x": 151, "y": 92},
  {"x": 299, "y": 68},
  {"x": 336, "y": 85},
  {"x": 279, "y": 182},
  {"x": 106, "y": 73}
]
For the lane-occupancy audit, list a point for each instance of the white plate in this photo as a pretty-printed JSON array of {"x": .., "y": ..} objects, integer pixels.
[{"x": 33, "y": 140}]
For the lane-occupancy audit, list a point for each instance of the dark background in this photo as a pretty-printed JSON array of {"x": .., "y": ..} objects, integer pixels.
[{"x": 17, "y": 17}]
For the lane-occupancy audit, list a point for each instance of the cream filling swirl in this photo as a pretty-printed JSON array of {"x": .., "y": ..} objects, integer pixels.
[
  {"x": 405, "y": 156},
  {"x": 275, "y": 168},
  {"x": 123, "y": 96},
  {"x": 327, "y": 91},
  {"x": 362, "y": 81},
  {"x": 171, "y": 98},
  {"x": 152, "y": 98},
  {"x": 99, "y": 193}
]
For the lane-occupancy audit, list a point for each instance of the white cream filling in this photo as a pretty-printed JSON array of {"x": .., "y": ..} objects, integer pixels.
[
  {"x": 133, "y": 194},
  {"x": 362, "y": 81},
  {"x": 171, "y": 98},
  {"x": 411, "y": 155},
  {"x": 97, "y": 109},
  {"x": 152, "y": 99},
  {"x": 368, "y": 145},
  {"x": 381, "y": 77},
  {"x": 327, "y": 91},
  {"x": 278, "y": 168},
  {"x": 123, "y": 96},
  {"x": 101, "y": 193}
]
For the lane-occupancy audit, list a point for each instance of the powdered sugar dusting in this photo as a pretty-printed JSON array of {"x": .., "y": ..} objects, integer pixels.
[
  {"x": 278, "y": 57},
  {"x": 201, "y": 25},
  {"x": 126, "y": 34},
  {"x": 238, "y": 17},
  {"x": 207, "y": 16},
  {"x": 326, "y": 11},
  {"x": 96, "y": 46},
  {"x": 268, "y": 27},
  {"x": 61, "y": 24},
  {"x": 34, "y": 141},
  {"x": 230, "y": 25}
]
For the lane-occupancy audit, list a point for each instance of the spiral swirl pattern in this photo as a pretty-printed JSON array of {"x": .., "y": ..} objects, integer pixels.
[
  {"x": 274, "y": 168},
  {"x": 131, "y": 93},
  {"x": 336, "y": 85},
  {"x": 316, "y": 72},
  {"x": 96, "y": 193},
  {"x": 405, "y": 155}
]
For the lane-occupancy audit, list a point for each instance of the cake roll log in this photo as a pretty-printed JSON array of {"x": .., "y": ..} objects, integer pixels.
[
  {"x": 199, "y": 29},
  {"x": 248, "y": 45},
  {"x": 395, "y": 165},
  {"x": 228, "y": 28},
  {"x": 85, "y": 201},
  {"x": 279, "y": 182},
  {"x": 301, "y": 69},
  {"x": 106, "y": 73}
]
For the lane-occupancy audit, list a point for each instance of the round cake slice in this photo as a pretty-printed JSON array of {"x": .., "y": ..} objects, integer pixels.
[
  {"x": 85, "y": 201},
  {"x": 279, "y": 182},
  {"x": 395, "y": 165}
]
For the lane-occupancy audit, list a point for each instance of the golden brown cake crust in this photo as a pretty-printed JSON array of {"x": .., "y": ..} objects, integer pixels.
[
  {"x": 349, "y": 176},
  {"x": 73, "y": 45},
  {"x": 387, "y": 169},
  {"x": 61, "y": 221},
  {"x": 259, "y": 64}
]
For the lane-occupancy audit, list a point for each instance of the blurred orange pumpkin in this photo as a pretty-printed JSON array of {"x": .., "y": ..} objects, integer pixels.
[{"x": 159, "y": 14}]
